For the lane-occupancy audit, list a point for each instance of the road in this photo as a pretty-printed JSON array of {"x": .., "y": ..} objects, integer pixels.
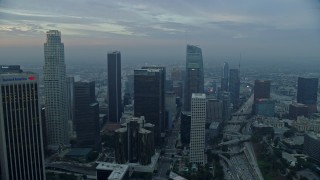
[
  {"x": 166, "y": 160},
  {"x": 242, "y": 165}
]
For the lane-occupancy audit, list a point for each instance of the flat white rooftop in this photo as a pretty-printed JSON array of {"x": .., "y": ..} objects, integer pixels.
[
  {"x": 118, "y": 170},
  {"x": 199, "y": 95}
]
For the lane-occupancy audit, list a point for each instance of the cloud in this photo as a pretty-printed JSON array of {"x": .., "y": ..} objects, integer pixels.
[{"x": 207, "y": 22}]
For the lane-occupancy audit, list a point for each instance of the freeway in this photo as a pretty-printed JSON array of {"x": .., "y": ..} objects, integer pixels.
[{"x": 243, "y": 164}]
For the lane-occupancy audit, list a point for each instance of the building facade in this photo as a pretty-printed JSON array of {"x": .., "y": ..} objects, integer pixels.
[
  {"x": 311, "y": 145},
  {"x": 197, "y": 135},
  {"x": 134, "y": 142},
  {"x": 214, "y": 111},
  {"x": 307, "y": 93},
  {"x": 70, "y": 106},
  {"x": 304, "y": 124},
  {"x": 147, "y": 101},
  {"x": 185, "y": 127},
  {"x": 162, "y": 101},
  {"x": 114, "y": 86},
  {"x": 297, "y": 109},
  {"x": 21, "y": 144},
  {"x": 264, "y": 107},
  {"x": 194, "y": 80},
  {"x": 261, "y": 89},
  {"x": 225, "y": 77},
  {"x": 54, "y": 72},
  {"x": 86, "y": 114},
  {"x": 234, "y": 87},
  {"x": 171, "y": 108}
]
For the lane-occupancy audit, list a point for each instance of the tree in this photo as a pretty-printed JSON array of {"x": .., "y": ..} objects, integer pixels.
[
  {"x": 288, "y": 133},
  {"x": 92, "y": 156},
  {"x": 276, "y": 142}
]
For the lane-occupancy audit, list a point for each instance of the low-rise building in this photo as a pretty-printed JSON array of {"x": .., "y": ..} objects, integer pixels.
[
  {"x": 297, "y": 109},
  {"x": 109, "y": 171},
  {"x": 304, "y": 124},
  {"x": 311, "y": 146},
  {"x": 264, "y": 107}
]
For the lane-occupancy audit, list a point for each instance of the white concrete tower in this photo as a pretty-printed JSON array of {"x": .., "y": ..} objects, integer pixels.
[
  {"x": 197, "y": 134},
  {"x": 55, "y": 91}
]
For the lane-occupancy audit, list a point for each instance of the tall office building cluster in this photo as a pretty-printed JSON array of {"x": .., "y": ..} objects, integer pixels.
[
  {"x": 21, "y": 146},
  {"x": 229, "y": 91},
  {"x": 134, "y": 142},
  {"x": 56, "y": 110}
]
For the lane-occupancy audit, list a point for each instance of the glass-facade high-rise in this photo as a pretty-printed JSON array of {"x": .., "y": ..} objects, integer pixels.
[
  {"x": 114, "y": 86},
  {"x": 194, "y": 80},
  {"x": 86, "y": 114},
  {"x": 234, "y": 87},
  {"x": 55, "y": 91},
  {"x": 21, "y": 145},
  {"x": 261, "y": 89},
  {"x": 225, "y": 77},
  {"x": 162, "y": 71},
  {"x": 147, "y": 98},
  {"x": 308, "y": 93}
]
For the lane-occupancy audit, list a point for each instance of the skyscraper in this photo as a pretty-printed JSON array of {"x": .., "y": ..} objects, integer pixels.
[
  {"x": 86, "y": 114},
  {"x": 226, "y": 109},
  {"x": 21, "y": 146},
  {"x": 214, "y": 111},
  {"x": 308, "y": 93},
  {"x": 261, "y": 89},
  {"x": 225, "y": 70},
  {"x": 147, "y": 98},
  {"x": 225, "y": 77},
  {"x": 198, "y": 122},
  {"x": 162, "y": 71},
  {"x": 114, "y": 86},
  {"x": 70, "y": 105},
  {"x": 234, "y": 87},
  {"x": 185, "y": 127},
  {"x": 55, "y": 91},
  {"x": 194, "y": 80}
]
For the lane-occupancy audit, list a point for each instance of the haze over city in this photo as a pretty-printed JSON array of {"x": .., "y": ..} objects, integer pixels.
[
  {"x": 157, "y": 90},
  {"x": 153, "y": 31}
]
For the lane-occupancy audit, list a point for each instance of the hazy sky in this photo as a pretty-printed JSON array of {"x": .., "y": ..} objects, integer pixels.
[{"x": 155, "y": 30}]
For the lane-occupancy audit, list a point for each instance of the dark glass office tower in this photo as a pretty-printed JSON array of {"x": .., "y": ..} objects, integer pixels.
[
  {"x": 225, "y": 70},
  {"x": 162, "y": 71},
  {"x": 194, "y": 80},
  {"x": 307, "y": 93},
  {"x": 185, "y": 127},
  {"x": 147, "y": 98},
  {"x": 225, "y": 77},
  {"x": 261, "y": 89},
  {"x": 234, "y": 87},
  {"x": 86, "y": 115},
  {"x": 224, "y": 84},
  {"x": 114, "y": 86},
  {"x": 21, "y": 146}
]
